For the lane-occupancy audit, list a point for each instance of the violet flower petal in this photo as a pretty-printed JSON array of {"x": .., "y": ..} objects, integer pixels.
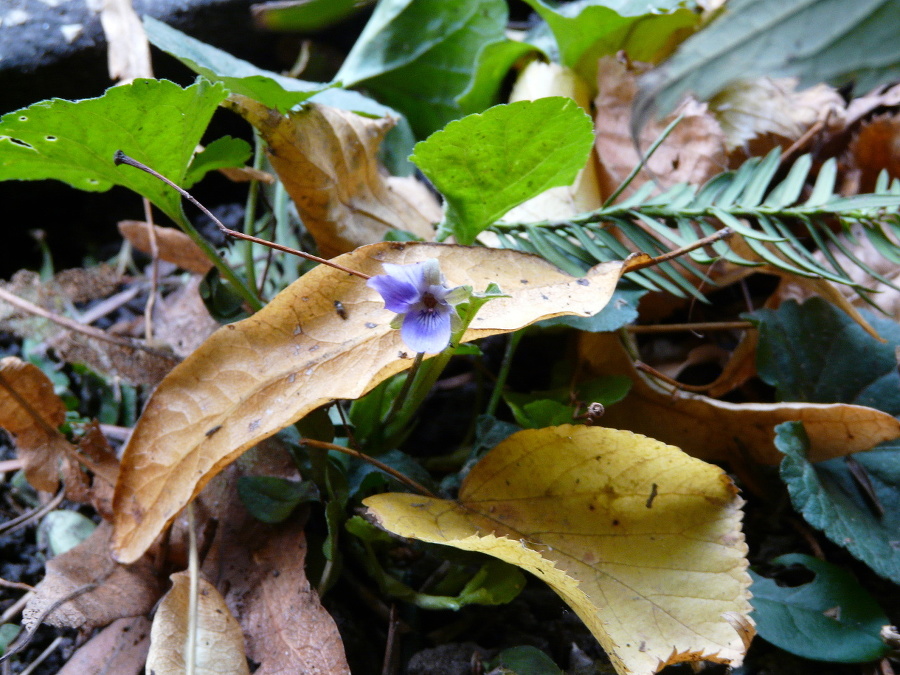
[
  {"x": 427, "y": 330},
  {"x": 398, "y": 294}
]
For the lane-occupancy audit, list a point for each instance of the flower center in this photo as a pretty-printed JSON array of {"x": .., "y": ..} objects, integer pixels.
[{"x": 429, "y": 301}]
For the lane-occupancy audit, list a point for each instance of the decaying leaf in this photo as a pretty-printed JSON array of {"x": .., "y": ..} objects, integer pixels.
[
  {"x": 540, "y": 80},
  {"x": 113, "y": 591},
  {"x": 693, "y": 153},
  {"x": 327, "y": 160},
  {"x": 120, "y": 648},
  {"x": 181, "y": 320},
  {"x": 31, "y": 412},
  {"x": 719, "y": 431},
  {"x": 134, "y": 366},
  {"x": 220, "y": 644},
  {"x": 174, "y": 246},
  {"x": 643, "y": 541},
  {"x": 254, "y": 377},
  {"x": 758, "y": 114}
]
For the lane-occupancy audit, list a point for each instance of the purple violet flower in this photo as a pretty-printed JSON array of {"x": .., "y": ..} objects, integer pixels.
[{"x": 423, "y": 303}]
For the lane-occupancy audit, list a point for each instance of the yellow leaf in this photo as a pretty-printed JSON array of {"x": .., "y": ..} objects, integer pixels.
[
  {"x": 253, "y": 378},
  {"x": 641, "y": 540},
  {"x": 327, "y": 160},
  {"x": 220, "y": 643},
  {"x": 716, "y": 430}
]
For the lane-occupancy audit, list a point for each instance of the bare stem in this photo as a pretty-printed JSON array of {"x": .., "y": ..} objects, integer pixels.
[
  {"x": 699, "y": 327},
  {"x": 406, "y": 480},
  {"x": 640, "y": 262},
  {"x": 122, "y": 158}
]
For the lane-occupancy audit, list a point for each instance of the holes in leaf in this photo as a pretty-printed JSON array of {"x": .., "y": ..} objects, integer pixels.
[
  {"x": 16, "y": 141},
  {"x": 50, "y": 138},
  {"x": 22, "y": 118}
]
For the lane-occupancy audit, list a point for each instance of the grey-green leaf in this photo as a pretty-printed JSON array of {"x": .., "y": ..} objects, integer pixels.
[
  {"x": 831, "y": 618},
  {"x": 814, "y": 40}
]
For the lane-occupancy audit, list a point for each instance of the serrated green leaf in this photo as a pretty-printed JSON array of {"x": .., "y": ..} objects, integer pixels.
[
  {"x": 832, "y": 618},
  {"x": 816, "y": 353},
  {"x": 585, "y": 31},
  {"x": 155, "y": 121},
  {"x": 488, "y": 163},
  {"x": 419, "y": 56},
  {"x": 813, "y": 40},
  {"x": 222, "y": 152},
  {"x": 831, "y": 500},
  {"x": 238, "y": 76}
]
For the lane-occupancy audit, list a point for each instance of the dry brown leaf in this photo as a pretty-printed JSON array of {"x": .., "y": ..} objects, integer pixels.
[
  {"x": 220, "y": 644},
  {"x": 540, "y": 80},
  {"x": 642, "y": 541},
  {"x": 134, "y": 366},
  {"x": 173, "y": 245},
  {"x": 181, "y": 320},
  {"x": 875, "y": 148},
  {"x": 692, "y": 153},
  {"x": 761, "y": 113},
  {"x": 718, "y": 431},
  {"x": 31, "y": 412},
  {"x": 119, "y": 649},
  {"x": 128, "y": 52},
  {"x": 120, "y": 590},
  {"x": 254, "y": 377},
  {"x": 327, "y": 160},
  {"x": 260, "y": 569}
]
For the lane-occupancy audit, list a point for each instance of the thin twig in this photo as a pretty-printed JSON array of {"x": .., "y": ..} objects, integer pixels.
[
  {"x": 154, "y": 270},
  {"x": 16, "y": 584},
  {"x": 122, "y": 158},
  {"x": 35, "y": 514},
  {"x": 76, "y": 327},
  {"x": 650, "y": 370},
  {"x": 406, "y": 480},
  {"x": 699, "y": 327},
  {"x": 641, "y": 262},
  {"x": 43, "y": 656}
]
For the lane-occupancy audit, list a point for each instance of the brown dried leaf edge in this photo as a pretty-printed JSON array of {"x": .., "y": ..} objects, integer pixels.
[{"x": 253, "y": 378}]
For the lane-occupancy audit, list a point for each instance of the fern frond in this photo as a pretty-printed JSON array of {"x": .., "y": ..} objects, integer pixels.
[{"x": 781, "y": 231}]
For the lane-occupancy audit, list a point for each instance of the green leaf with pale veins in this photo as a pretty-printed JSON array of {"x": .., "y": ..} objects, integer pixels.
[
  {"x": 586, "y": 31},
  {"x": 816, "y": 41},
  {"x": 831, "y": 618},
  {"x": 419, "y": 56},
  {"x": 488, "y": 163},
  {"x": 155, "y": 121}
]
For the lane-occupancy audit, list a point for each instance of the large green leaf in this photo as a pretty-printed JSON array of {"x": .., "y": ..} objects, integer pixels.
[
  {"x": 585, "y": 31},
  {"x": 239, "y": 76},
  {"x": 485, "y": 164},
  {"x": 831, "y": 500},
  {"x": 419, "y": 56},
  {"x": 831, "y": 618},
  {"x": 814, "y": 352},
  {"x": 155, "y": 121},
  {"x": 832, "y": 41}
]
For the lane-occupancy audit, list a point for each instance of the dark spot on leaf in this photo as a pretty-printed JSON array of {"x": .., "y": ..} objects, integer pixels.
[
  {"x": 615, "y": 522},
  {"x": 254, "y": 425},
  {"x": 22, "y": 118},
  {"x": 584, "y": 282},
  {"x": 591, "y": 507},
  {"x": 369, "y": 324},
  {"x": 210, "y": 432},
  {"x": 523, "y": 281}
]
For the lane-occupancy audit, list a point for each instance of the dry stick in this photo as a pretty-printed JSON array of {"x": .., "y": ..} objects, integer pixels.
[
  {"x": 19, "y": 522},
  {"x": 698, "y": 327},
  {"x": 406, "y": 480},
  {"x": 650, "y": 370},
  {"x": 122, "y": 158},
  {"x": 639, "y": 262},
  {"x": 154, "y": 271},
  {"x": 42, "y": 656},
  {"x": 76, "y": 327}
]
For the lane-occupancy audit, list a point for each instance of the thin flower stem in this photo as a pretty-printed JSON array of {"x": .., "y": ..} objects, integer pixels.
[
  {"x": 505, "y": 367},
  {"x": 406, "y": 480},
  {"x": 250, "y": 214},
  {"x": 700, "y": 327},
  {"x": 122, "y": 158},
  {"x": 404, "y": 391}
]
